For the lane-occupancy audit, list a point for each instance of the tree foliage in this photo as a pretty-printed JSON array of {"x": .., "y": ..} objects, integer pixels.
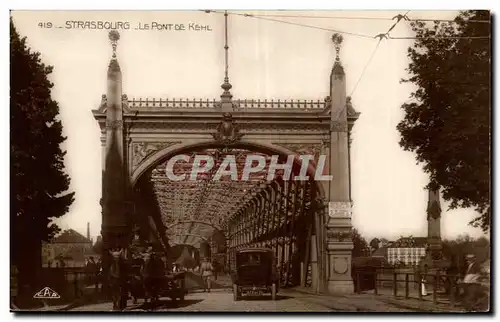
[
  {"x": 374, "y": 243},
  {"x": 360, "y": 246},
  {"x": 448, "y": 123},
  {"x": 457, "y": 249},
  {"x": 39, "y": 186}
]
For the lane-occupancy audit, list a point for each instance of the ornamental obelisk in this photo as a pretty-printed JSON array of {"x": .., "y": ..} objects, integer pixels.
[
  {"x": 434, "y": 225},
  {"x": 114, "y": 221},
  {"x": 338, "y": 231}
]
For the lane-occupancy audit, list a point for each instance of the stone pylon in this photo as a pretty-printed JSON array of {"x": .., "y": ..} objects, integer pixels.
[
  {"x": 338, "y": 219},
  {"x": 114, "y": 217}
]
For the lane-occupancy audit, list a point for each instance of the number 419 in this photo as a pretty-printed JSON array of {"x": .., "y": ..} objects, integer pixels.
[{"x": 45, "y": 24}]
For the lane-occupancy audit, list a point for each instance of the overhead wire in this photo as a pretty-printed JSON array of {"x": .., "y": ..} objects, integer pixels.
[
  {"x": 398, "y": 17},
  {"x": 366, "y": 67},
  {"x": 294, "y": 24},
  {"x": 380, "y": 37},
  {"x": 365, "y": 18}
]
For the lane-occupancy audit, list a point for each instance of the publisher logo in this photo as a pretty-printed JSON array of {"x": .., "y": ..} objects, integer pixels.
[{"x": 46, "y": 293}]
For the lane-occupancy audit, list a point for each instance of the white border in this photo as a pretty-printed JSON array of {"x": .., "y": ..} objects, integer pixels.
[{"x": 150, "y": 5}]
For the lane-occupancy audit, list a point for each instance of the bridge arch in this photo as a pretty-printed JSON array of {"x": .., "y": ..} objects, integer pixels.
[
  {"x": 289, "y": 194},
  {"x": 186, "y": 147}
]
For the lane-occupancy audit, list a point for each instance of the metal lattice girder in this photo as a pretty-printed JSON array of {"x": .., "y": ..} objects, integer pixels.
[
  {"x": 277, "y": 218},
  {"x": 251, "y": 213},
  {"x": 204, "y": 200}
]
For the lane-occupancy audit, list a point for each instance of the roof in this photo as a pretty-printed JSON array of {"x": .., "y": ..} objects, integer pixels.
[
  {"x": 70, "y": 236},
  {"x": 381, "y": 252},
  {"x": 410, "y": 242}
]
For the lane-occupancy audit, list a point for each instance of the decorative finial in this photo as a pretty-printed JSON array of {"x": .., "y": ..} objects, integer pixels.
[
  {"x": 337, "y": 41},
  {"x": 226, "y": 86},
  {"x": 114, "y": 36}
]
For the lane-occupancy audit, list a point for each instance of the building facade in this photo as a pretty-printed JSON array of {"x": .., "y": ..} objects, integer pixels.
[{"x": 70, "y": 249}]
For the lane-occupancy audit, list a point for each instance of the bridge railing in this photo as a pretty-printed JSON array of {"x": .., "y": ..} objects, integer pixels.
[
  {"x": 281, "y": 104},
  {"x": 239, "y": 104},
  {"x": 171, "y": 103},
  {"x": 445, "y": 288}
]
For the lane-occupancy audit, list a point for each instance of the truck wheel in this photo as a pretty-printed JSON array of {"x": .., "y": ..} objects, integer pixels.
[
  {"x": 235, "y": 292},
  {"x": 273, "y": 291}
]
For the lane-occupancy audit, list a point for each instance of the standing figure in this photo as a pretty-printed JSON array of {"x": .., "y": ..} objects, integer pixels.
[
  {"x": 98, "y": 275},
  {"x": 206, "y": 273},
  {"x": 423, "y": 289},
  {"x": 90, "y": 269},
  {"x": 153, "y": 273},
  {"x": 471, "y": 282},
  {"x": 118, "y": 280},
  {"x": 136, "y": 280}
]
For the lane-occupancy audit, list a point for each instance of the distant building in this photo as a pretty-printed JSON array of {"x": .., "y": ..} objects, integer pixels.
[
  {"x": 407, "y": 250},
  {"x": 70, "y": 249}
]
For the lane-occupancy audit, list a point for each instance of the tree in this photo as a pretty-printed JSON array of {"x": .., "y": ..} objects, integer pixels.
[
  {"x": 456, "y": 250},
  {"x": 360, "y": 246},
  {"x": 39, "y": 186},
  {"x": 384, "y": 241},
  {"x": 448, "y": 124},
  {"x": 374, "y": 243}
]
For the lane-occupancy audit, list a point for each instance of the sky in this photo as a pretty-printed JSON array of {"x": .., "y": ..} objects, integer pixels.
[{"x": 267, "y": 60}]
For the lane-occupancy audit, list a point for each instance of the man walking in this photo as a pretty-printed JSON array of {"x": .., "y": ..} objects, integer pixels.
[{"x": 206, "y": 273}]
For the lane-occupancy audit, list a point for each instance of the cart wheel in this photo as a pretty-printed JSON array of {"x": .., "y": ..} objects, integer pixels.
[
  {"x": 235, "y": 292},
  {"x": 273, "y": 291}
]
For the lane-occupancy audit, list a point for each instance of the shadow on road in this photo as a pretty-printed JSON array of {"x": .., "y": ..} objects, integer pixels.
[
  {"x": 88, "y": 299},
  {"x": 264, "y": 298},
  {"x": 164, "y": 304}
]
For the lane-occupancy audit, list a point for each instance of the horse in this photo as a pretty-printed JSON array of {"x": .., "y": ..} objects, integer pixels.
[
  {"x": 117, "y": 280},
  {"x": 152, "y": 272}
]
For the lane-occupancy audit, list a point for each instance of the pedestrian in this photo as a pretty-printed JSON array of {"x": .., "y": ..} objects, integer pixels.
[
  {"x": 206, "y": 273},
  {"x": 98, "y": 275},
  {"x": 471, "y": 282},
  {"x": 91, "y": 270},
  {"x": 423, "y": 289}
]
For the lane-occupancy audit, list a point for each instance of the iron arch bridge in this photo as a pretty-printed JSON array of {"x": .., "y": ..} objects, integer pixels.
[{"x": 162, "y": 161}]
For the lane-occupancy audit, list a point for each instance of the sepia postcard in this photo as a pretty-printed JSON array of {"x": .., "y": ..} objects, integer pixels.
[{"x": 250, "y": 161}]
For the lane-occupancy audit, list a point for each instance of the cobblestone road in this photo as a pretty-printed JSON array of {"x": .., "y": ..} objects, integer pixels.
[
  {"x": 289, "y": 300},
  {"x": 222, "y": 301}
]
